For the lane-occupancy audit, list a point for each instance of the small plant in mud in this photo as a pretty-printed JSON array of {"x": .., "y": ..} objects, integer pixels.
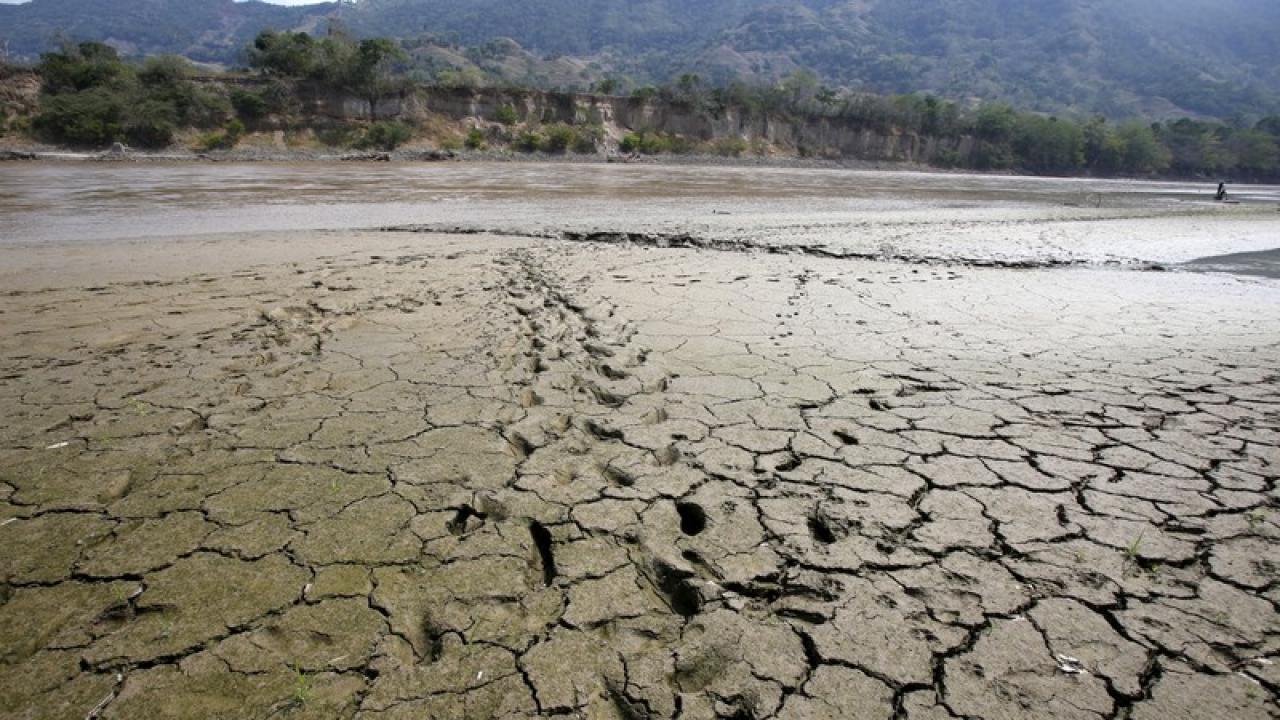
[
  {"x": 1132, "y": 556},
  {"x": 301, "y": 686},
  {"x": 1255, "y": 519}
]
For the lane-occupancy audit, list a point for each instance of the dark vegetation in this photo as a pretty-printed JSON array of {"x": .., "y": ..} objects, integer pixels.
[
  {"x": 92, "y": 97},
  {"x": 1118, "y": 58},
  {"x": 370, "y": 69}
]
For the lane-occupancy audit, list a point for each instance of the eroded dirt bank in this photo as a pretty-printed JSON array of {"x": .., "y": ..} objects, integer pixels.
[{"x": 420, "y": 475}]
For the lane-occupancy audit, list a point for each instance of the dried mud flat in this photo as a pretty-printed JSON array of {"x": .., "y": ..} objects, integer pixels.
[{"x": 483, "y": 476}]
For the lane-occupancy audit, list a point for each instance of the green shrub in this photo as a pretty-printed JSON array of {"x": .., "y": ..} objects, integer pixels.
[
  {"x": 475, "y": 139},
  {"x": 248, "y": 104},
  {"x": 559, "y": 139},
  {"x": 82, "y": 67},
  {"x": 652, "y": 143},
  {"x": 729, "y": 147},
  {"x": 223, "y": 139},
  {"x": 589, "y": 139},
  {"x": 336, "y": 135},
  {"x": 631, "y": 143},
  {"x": 506, "y": 115},
  {"x": 89, "y": 117},
  {"x": 90, "y": 97},
  {"x": 151, "y": 124},
  {"x": 385, "y": 135},
  {"x": 530, "y": 141},
  {"x": 645, "y": 94}
]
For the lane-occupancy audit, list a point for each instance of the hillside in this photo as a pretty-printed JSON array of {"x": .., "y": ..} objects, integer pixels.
[
  {"x": 1160, "y": 58},
  {"x": 202, "y": 30}
]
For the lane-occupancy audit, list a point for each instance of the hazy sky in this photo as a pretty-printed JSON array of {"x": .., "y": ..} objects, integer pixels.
[{"x": 273, "y": 2}]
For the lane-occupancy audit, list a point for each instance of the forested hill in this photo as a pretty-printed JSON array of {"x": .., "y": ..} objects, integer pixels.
[
  {"x": 1120, "y": 57},
  {"x": 202, "y": 30}
]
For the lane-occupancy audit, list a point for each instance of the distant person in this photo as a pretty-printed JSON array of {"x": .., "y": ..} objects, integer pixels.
[{"x": 1222, "y": 192}]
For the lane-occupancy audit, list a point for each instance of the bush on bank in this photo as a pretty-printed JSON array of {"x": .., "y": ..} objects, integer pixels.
[{"x": 91, "y": 97}]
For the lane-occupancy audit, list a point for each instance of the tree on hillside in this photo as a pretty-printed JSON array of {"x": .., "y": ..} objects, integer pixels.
[
  {"x": 370, "y": 69},
  {"x": 1256, "y": 152},
  {"x": 286, "y": 54},
  {"x": 1143, "y": 151},
  {"x": 373, "y": 76}
]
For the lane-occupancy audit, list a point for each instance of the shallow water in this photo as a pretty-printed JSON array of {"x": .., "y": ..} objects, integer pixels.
[
  {"x": 1261, "y": 264},
  {"x": 74, "y": 202}
]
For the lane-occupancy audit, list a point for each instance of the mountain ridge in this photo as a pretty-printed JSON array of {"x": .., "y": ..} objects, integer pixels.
[{"x": 1121, "y": 58}]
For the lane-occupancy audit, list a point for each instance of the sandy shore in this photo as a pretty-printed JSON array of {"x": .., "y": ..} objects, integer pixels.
[{"x": 420, "y": 474}]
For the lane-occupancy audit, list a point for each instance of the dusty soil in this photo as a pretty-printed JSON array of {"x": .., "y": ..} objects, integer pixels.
[{"x": 412, "y": 474}]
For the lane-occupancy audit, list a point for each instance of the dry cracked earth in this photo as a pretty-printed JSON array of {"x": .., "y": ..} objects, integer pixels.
[{"x": 503, "y": 477}]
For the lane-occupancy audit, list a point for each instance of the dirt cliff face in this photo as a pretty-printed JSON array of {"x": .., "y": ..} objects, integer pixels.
[
  {"x": 19, "y": 93},
  {"x": 621, "y": 115}
]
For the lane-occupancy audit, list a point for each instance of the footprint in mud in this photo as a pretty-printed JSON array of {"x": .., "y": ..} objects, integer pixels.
[
  {"x": 520, "y": 446},
  {"x": 678, "y": 588},
  {"x": 667, "y": 456},
  {"x": 598, "y": 350},
  {"x": 822, "y": 528},
  {"x": 616, "y": 476},
  {"x": 600, "y": 432},
  {"x": 604, "y": 397},
  {"x": 543, "y": 542},
  {"x": 656, "y": 416},
  {"x": 611, "y": 373},
  {"x": 465, "y": 521}
]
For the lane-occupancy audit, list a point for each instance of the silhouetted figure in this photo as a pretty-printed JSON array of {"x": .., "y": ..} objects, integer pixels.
[{"x": 1222, "y": 192}]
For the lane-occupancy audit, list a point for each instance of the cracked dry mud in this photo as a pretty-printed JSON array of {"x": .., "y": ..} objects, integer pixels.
[{"x": 500, "y": 477}]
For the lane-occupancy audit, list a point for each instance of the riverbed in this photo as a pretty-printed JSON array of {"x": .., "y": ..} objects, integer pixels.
[{"x": 517, "y": 440}]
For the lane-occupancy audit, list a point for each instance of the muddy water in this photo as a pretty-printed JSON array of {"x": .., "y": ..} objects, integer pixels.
[{"x": 73, "y": 202}]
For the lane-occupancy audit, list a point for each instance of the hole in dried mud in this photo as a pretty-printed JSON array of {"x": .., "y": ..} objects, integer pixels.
[
  {"x": 542, "y": 540},
  {"x": 822, "y": 529},
  {"x": 845, "y": 437},
  {"x": 693, "y": 519},
  {"x": 790, "y": 463},
  {"x": 433, "y": 636}
]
